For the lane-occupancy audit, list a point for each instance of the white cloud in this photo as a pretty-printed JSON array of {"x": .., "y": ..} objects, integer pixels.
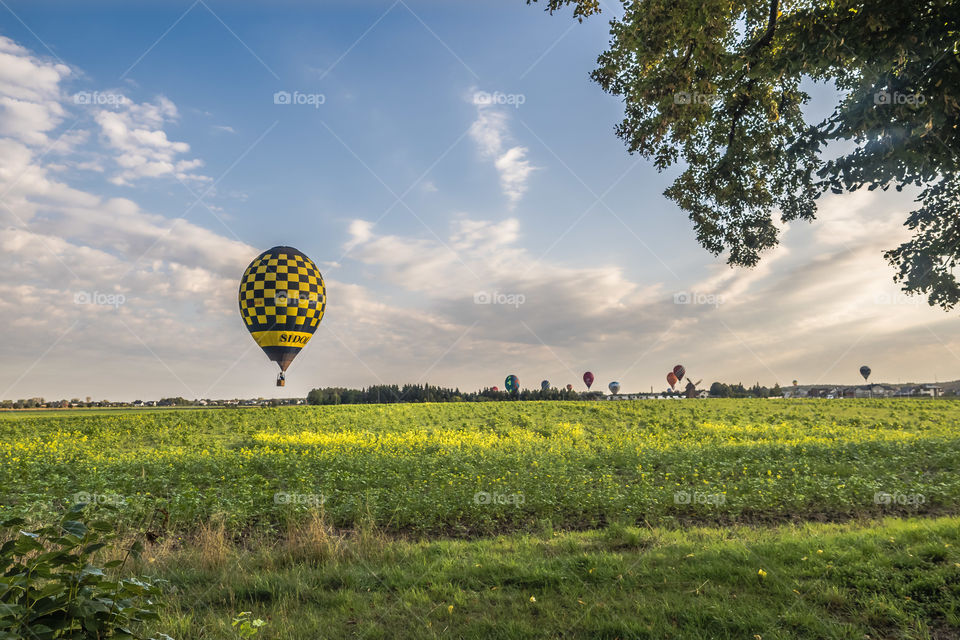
[
  {"x": 811, "y": 310},
  {"x": 29, "y": 94},
  {"x": 134, "y": 132},
  {"x": 491, "y": 132}
]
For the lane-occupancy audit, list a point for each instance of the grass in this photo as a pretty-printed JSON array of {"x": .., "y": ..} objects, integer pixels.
[
  {"x": 473, "y": 469},
  {"x": 887, "y": 579},
  {"x": 695, "y": 519}
]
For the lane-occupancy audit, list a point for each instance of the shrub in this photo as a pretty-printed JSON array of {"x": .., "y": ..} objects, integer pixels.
[{"x": 50, "y": 588}]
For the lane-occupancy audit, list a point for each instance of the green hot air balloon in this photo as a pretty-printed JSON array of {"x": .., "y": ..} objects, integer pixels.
[
  {"x": 282, "y": 300},
  {"x": 512, "y": 383},
  {"x": 544, "y": 385}
]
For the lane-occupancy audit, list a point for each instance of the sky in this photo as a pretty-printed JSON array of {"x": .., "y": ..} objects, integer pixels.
[{"x": 452, "y": 171}]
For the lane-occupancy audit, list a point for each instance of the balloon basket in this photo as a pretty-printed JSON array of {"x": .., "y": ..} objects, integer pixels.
[{"x": 281, "y": 382}]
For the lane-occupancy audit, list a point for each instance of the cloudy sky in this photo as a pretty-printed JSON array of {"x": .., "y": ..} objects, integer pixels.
[{"x": 450, "y": 168}]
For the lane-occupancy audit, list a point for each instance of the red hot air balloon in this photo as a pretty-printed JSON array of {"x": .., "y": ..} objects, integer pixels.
[
  {"x": 672, "y": 379},
  {"x": 588, "y": 379},
  {"x": 679, "y": 371},
  {"x": 496, "y": 389},
  {"x": 569, "y": 387}
]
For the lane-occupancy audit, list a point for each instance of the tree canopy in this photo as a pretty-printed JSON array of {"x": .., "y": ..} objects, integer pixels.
[{"x": 716, "y": 85}]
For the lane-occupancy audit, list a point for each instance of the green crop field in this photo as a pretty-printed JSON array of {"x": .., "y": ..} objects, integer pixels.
[{"x": 330, "y": 516}]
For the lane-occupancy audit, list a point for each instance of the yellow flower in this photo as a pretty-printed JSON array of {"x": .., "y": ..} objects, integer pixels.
[
  {"x": 762, "y": 574},
  {"x": 532, "y": 599},
  {"x": 450, "y": 609}
]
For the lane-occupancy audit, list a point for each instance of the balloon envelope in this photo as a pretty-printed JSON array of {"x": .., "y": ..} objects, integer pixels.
[
  {"x": 282, "y": 300},
  {"x": 679, "y": 371},
  {"x": 544, "y": 384},
  {"x": 672, "y": 379},
  {"x": 496, "y": 388},
  {"x": 569, "y": 387},
  {"x": 865, "y": 371},
  {"x": 614, "y": 387},
  {"x": 512, "y": 383},
  {"x": 588, "y": 379}
]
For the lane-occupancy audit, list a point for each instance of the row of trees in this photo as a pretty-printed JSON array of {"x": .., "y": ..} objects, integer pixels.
[
  {"x": 429, "y": 393},
  {"x": 721, "y": 390}
]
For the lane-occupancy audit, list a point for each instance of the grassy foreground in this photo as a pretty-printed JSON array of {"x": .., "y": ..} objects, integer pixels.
[
  {"x": 887, "y": 579},
  {"x": 468, "y": 469}
]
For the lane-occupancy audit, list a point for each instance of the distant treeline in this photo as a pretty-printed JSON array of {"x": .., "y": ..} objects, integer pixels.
[
  {"x": 428, "y": 393},
  {"x": 721, "y": 390}
]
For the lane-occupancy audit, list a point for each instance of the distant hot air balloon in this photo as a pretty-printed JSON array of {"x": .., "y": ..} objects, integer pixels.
[
  {"x": 865, "y": 371},
  {"x": 496, "y": 388},
  {"x": 282, "y": 300},
  {"x": 569, "y": 387},
  {"x": 672, "y": 379},
  {"x": 614, "y": 387},
  {"x": 795, "y": 383},
  {"x": 512, "y": 383},
  {"x": 588, "y": 379},
  {"x": 544, "y": 385},
  {"x": 679, "y": 371}
]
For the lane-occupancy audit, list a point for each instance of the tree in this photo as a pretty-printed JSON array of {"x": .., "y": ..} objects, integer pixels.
[
  {"x": 716, "y": 84},
  {"x": 719, "y": 390}
]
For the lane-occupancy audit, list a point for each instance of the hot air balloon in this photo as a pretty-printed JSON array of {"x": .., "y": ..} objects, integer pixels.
[
  {"x": 614, "y": 387},
  {"x": 865, "y": 372},
  {"x": 569, "y": 387},
  {"x": 679, "y": 371},
  {"x": 672, "y": 379},
  {"x": 588, "y": 379},
  {"x": 282, "y": 300},
  {"x": 795, "y": 383},
  {"x": 496, "y": 388},
  {"x": 544, "y": 385},
  {"x": 512, "y": 383}
]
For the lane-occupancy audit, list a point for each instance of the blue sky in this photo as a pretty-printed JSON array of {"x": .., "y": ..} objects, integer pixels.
[{"x": 455, "y": 150}]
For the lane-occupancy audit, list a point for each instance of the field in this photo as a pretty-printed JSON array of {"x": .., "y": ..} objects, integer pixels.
[{"x": 591, "y": 519}]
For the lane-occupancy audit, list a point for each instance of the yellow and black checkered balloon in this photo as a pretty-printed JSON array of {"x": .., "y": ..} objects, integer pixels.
[{"x": 282, "y": 300}]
